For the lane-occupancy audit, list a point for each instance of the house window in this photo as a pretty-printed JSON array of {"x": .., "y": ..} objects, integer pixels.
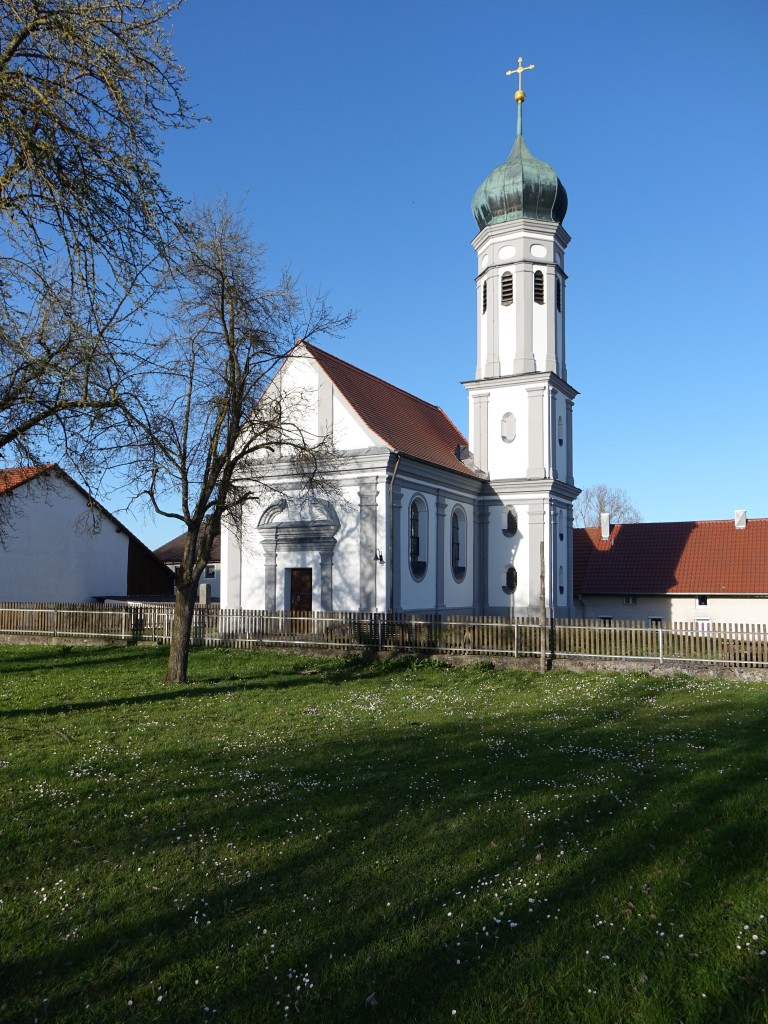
[
  {"x": 417, "y": 536},
  {"x": 538, "y": 287},
  {"x": 485, "y": 295},
  {"x": 630, "y": 599},
  {"x": 507, "y": 289},
  {"x": 701, "y": 601},
  {"x": 210, "y": 572},
  {"x": 510, "y": 580},
  {"x": 702, "y": 625},
  {"x": 654, "y": 623},
  {"x": 510, "y": 523},
  {"x": 559, "y": 295},
  {"x": 606, "y": 620},
  {"x": 459, "y": 544}
]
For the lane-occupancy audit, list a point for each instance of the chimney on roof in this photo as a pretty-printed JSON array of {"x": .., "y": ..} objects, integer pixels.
[
  {"x": 605, "y": 525},
  {"x": 740, "y": 519}
]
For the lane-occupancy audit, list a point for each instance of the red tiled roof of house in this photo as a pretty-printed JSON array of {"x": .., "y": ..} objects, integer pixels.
[
  {"x": 404, "y": 422},
  {"x": 11, "y": 478},
  {"x": 706, "y": 557}
]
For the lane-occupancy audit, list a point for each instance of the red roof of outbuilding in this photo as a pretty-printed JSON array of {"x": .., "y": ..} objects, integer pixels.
[
  {"x": 404, "y": 422},
  {"x": 11, "y": 478},
  {"x": 706, "y": 557}
]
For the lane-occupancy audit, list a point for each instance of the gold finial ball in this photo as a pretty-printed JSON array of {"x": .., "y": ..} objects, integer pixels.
[{"x": 519, "y": 96}]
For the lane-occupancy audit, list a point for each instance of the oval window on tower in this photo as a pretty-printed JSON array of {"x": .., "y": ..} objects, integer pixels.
[{"x": 508, "y": 427}]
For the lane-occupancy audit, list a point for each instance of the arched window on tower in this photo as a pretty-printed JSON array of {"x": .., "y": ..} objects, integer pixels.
[
  {"x": 507, "y": 289},
  {"x": 538, "y": 287},
  {"x": 510, "y": 580},
  {"x": 509, "y": 529},
  {"x": 485, "y": 295},
  {"x": 559, "y": 295}
]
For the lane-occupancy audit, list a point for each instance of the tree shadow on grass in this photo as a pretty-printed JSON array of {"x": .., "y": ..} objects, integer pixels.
[
  {"x": 237, "y": 678},
  {"x": 420, "y": 837}
]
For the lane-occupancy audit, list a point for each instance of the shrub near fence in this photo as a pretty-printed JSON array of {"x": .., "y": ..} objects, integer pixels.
[{"x": 728, "y": 645}]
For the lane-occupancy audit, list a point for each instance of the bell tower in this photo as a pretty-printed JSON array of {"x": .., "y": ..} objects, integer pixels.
[{"x": 520, "y": 402}]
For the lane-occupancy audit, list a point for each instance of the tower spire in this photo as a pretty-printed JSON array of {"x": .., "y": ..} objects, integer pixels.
[{"x": 519, "y": 94}]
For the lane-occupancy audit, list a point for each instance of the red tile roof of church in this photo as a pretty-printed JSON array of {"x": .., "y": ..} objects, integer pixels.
[
  {"x": 705, "y": 557},
  {"x": 404, "y": 422}
]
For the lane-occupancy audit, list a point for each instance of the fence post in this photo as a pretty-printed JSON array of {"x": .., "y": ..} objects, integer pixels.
[{"x": 661, "y": 646}]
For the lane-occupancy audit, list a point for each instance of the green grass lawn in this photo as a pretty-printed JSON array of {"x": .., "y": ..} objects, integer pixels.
[{"x": 325, "y": 840}]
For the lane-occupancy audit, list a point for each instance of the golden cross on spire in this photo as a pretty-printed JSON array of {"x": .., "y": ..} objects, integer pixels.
[{"x": 520, "y": 95}]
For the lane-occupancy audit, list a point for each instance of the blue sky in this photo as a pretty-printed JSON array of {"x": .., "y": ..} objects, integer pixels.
[{"x": 356, "y": 134}]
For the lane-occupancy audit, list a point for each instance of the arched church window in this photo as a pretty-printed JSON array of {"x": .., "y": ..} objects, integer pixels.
[
  {"x": 538, "y": 287},
  {"x": 560, "y": 431},
  {"x": 559, "y": 295},
  {"x": 459, "y": 544},
  {"x": 417, "y": 538},
  {"x": 510, "y": 580},
  {"x": 507, "y": 289},
  {"x": 561, "y": 579},
  {"x": 509, "y": 528},
  {"x": 485, "y": 295}
]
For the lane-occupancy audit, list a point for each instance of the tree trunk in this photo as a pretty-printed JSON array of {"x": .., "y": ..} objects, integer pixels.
[{"x": 181, "y": 632}]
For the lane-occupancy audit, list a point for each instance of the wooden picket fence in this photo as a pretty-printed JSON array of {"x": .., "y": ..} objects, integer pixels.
[{"x": 728, "y": 645}]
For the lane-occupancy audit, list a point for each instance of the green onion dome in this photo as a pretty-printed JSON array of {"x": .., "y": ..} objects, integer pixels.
[{"x": 521, "y": 187}]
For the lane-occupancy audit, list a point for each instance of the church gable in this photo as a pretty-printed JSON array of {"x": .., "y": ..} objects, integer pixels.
[{"x": 405, "y": 423}]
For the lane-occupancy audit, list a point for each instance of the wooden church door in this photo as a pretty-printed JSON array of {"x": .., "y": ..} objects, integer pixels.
[{"x": 301, "y": 590}]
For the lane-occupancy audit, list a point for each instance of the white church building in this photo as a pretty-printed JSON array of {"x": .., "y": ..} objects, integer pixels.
[{"x": 424, "y": 518}]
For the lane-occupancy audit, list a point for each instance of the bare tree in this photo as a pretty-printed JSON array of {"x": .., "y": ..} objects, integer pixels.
[
  {"x": 87, "y": 89},
  {"x": 601, "y": 498},
  {"x": 204, "y": 423}
]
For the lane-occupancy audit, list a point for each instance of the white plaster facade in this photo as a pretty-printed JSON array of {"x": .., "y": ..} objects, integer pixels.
[
  {"x": 350, "y": 540},
  {"x": 688, "y": 609},
  {"x": 56, "y": 551}
]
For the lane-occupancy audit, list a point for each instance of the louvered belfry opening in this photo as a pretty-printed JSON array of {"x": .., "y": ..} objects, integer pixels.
[
  {"x": 507, "y": 289},
  {"x": 538, "y": 287}
]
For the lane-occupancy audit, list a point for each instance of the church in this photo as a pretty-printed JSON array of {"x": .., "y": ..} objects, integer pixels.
[{"x": 418, "y": 517}]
